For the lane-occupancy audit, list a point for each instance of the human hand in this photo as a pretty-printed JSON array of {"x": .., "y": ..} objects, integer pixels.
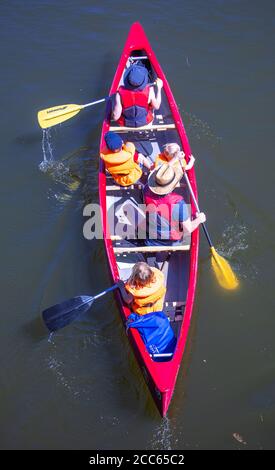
[
  {"x": 181, "y": 155},
  {"x": 190, "y": 163},
  {"x": 159, "y": 83},
  {"x": 120, "y": 284},
  {"x": 201, "y": 217},
  {"x": 144, "y": 161},
  {"x": 141, "y": 158}
]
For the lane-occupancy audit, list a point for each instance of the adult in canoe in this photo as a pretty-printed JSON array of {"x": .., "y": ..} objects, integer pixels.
[
  {"x": 168, "y": 214},
  {"x": 122, "y": 160},
  {"x": 135, "y": 101}
]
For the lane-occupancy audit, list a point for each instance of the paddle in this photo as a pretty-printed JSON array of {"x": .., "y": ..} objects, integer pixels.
[
  {"x": 58, "y": 114},
  {"x": 63, "y": 314},
  {"x": 222, "y": 269}
]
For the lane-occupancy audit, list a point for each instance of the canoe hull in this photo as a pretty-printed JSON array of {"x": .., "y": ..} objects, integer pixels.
[{"x": 159, "y": 376}]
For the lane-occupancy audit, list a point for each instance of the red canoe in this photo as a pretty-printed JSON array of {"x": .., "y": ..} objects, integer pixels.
[{"x": 180, "y": 267}]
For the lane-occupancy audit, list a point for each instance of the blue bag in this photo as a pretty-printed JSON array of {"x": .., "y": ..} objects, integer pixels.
[{"x": 155, "y": 331}]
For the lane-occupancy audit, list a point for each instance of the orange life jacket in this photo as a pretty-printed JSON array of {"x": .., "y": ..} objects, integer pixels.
[
  {"x": 121, "y": 164},
  {"x": 161, "y": 158},
  {"x": 149, "y": 298}
]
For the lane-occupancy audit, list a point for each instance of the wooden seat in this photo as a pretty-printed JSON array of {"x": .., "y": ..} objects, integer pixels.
[
  {"x": 142, "y": 57},
  {"x": 123, "y": 188},
  {"x": 175, "y": 304},
  {"x": 135, "y": 186},
  {"x": 162, "y": 355},
  {"x": 154, "y": 127},
  {"x": 151, "y": 249}
]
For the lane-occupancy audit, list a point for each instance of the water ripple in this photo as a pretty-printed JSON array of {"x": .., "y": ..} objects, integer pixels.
[
  {"x": 234, "y": 239},
  {"x": 162, "y": 436}
]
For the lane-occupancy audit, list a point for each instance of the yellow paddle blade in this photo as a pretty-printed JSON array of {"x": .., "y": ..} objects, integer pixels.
[
  {"x": 223, "y": 271},
  {"x": 52, "y": 116}
]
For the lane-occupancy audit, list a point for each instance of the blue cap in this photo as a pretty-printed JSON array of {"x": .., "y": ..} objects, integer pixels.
[
  {"x": 136, "y": 77},
  {"x": 113, "y": 140}
]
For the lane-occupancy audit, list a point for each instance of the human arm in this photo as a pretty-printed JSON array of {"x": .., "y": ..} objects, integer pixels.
[
  {"x": 188, "y": 225},
  {"x": 127, "y": 297},
  {"x": 117, "y": 110},
  {"x": 190, "y": 163},
  {"x": 145, "y": 161},
  {"x": 181, "y": 214},
  {"x": 138, "y": 157},
  {"x": 155, "y": 100}
]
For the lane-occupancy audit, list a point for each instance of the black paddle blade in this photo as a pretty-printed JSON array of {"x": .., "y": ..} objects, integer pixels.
[{"x": 63, "y": 314}]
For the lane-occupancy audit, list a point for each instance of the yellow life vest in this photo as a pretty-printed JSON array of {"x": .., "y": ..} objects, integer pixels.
[
  {"x": 161, "y": 158},
  {"x": 121, "y": 164},
  {"x": 149, "y": 298}
]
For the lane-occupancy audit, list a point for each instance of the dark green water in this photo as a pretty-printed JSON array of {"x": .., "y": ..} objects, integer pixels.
[{"x": 81, "y": 388}]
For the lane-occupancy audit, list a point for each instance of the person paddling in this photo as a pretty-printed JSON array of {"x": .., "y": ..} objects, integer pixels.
[
  {"x": 135, "y": 101},
  {"x": 145, "y": 290},
  {"x": 122, "y": 160},
  {"x": 168, "y": 214}
]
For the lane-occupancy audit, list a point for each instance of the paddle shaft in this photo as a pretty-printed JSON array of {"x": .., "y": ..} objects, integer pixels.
[
  {"x": 115, "y": 286},
  {"x": 198, "y": 209},
  {"x": 94, "y": 102}
]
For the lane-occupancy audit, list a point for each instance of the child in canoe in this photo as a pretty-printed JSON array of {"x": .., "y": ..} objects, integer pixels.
[
  {"x": 145, "y": 290},
  {"x": 174, "y": 156},
  {"x": 122, "y": 160}
]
